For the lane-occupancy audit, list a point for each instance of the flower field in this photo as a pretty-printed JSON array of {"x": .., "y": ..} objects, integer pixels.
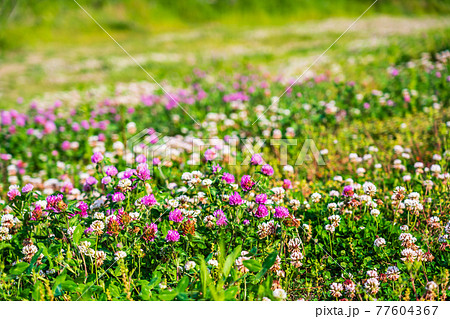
[{"x": 216, "y": 189}]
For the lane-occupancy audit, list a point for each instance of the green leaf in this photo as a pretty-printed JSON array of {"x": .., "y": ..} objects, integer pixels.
[
  {"x": 37, "y": 291},
  {"x": 253, "y": 265},
  {"x": 19, "y": 268},
  {"x": 183, "y": 284},
  {"x": 69, "y": 285},
  {"x": 77, "y": 233},
  {"x": 204, "y": 276},
  {"x": 230, "y": 293},
  {"x": 167, "y": 295},
  {"x": 268, "y": 262},
  {"x": 230, "y": 260}
]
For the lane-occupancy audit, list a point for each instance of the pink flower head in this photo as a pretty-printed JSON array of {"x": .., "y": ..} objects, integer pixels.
[
  {"x": 256, "y": 159},
  {"x": 118, "y": 197},
  {"x": 261, "y": 211},
  {"x": 176, "y": 216},
  {"x": 287, "y": 184},
  {"x": 261, "y": 198},
  {"x": 228, "y": 178},
  {"x": 150, "y": 232},
  {"x": 55, "y": 203},
  {"x": 281, "y": 212},
  {"x": 267, "y": 170},
  {"x": 246, "y": 182},
  {"x": 83, "y": 207},
  {"x": 141, "y": 159},
  {"x": 106, "y": 180},
  {"x": 111, "y": 170},
  {"x": 143, "y": 172},
  {"x": 216, "y": 168},
  {"x": 97, "y": 157},
  {"x": 65, "y": 145},
  {"x": 221, "y": 219},
  {"x": 210, "y": 154},
  {"x": 348, "y": 191},
  {"x": 148, "y": 200},
  {"x": 156, "y": 161},
  {"x": 235, "y": 199},
  {"x": 27, "y": 188},
  {"x": 13, "y": 193},
  {"x": 172, "y": 236}
]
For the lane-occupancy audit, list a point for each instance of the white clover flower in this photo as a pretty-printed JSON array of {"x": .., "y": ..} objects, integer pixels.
[
  {"x": 334, "y": 193},
  {"x": 99, "y": 215},
  {"x": 335, "y": 220},
  {"x": 369, "y": 188},
  {"x": 336, "y": 289},
  {"x": 375, "y": 212},
  {"x": 332, "y": 206},
  {"x": 206, "y": 182},
  {"x": 186, "y": 176},
  {"x": 432, "y": 286},
  {"x": 279, "y": 294},
  {"x": 213, "y": 263},
  {"x": 288, "y": 169},
  {"x": 435, "y": 168},
  {"x": 120, "y": 255},
  {"x": 315, "y": 197},
  {"x": 379, "y": 242},
  {"x": 360, "y": 171},
  {"x": 134, "y": 215},
  {"x": 190, "y": 265}
]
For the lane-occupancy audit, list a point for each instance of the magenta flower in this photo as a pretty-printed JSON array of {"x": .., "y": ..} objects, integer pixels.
[
  {"x": 210, "y": 154},
  {"x": 83, "y": 207},
  {"x": 141, "y": 159},
  {"x": 216, "y": 168},
  {"x": 111, "y": 170},
  {"x": 106, "y": 180},
  {"x": 27, "y": 188},
  {"x": 235, "y": 199},
  {"x": 176, "y": 216},
  {"x": 118, "y": 197},
  {"x": 143, "y": 172},
  {"x": 172, "y": 236},
  {"x": 348, "y": 191},
  {"x": 221, "y": 219},
  {"x": 97, "y": 157},
  {"x": 261, "y": 198},
  {"x": 256, "y": 159},
  {"x": 228, "y": 178},
  {"x": 267, "y": 170},
  {"x": 65, "y": 145},
  {"x": 156, "y": 161},
  {"x": 261, "y": 211},
  {"x": 150, "y": 232},
  {"x": 246, "y": 182},
  {"x": 281, "y": 212},
  {"x": 55, "y": 203},
  {"x": 287, "y": 184},
  {"x": 148, "y": 200},
  {"x": 13, "y": 193}
]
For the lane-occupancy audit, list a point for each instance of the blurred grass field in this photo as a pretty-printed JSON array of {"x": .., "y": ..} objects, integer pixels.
[{"x": 51, "y": 46}]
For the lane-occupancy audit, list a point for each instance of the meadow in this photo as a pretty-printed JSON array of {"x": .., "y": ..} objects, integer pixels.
[{"x": 235, "y": 182}]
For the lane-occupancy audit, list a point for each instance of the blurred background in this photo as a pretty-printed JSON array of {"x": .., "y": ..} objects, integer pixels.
[{"x": 52, "y": 45}]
